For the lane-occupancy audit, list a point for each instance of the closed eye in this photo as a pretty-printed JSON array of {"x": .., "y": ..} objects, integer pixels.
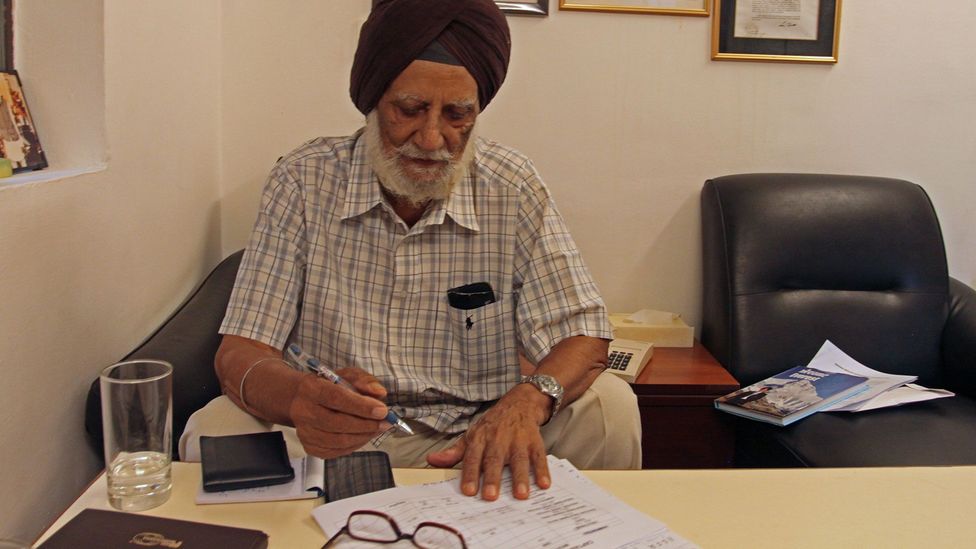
[{"x": 458, "y": 113}]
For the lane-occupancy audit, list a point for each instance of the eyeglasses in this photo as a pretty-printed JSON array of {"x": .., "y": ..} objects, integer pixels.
[{"x": 377, "y": 527}]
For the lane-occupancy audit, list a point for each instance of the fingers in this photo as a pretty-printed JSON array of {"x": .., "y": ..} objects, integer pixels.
[
  {"x": 323, "y": 398},
  {"x": 525, "y": 455},
  {"x": 363, "y": 382},
  {"x": 471, "y": 466},
  {"x": 541, "y": 465},
  {"x": 331, "y": 420},
  {"x": 328, "y": 444},
  {"x": 492, "y": 444},
  {"x": 448, "y": 457}
]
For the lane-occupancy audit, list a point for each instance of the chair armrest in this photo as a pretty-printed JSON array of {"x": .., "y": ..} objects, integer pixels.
[
  {"x": 188, "y": 340},
  {"x": 959, "y": 340}
]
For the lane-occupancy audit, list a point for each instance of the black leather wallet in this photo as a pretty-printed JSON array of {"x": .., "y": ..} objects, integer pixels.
[{"x": 235, "y": 462}]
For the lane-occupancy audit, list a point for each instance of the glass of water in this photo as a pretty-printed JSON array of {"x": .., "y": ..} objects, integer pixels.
[{"x": 137, "y": 424}]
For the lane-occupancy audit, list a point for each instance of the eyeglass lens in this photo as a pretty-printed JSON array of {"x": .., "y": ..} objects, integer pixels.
[
  {"x": 431, "y": 536},
  {"x": 370, "y": 527},
  {"x": 379, "y": 528}
]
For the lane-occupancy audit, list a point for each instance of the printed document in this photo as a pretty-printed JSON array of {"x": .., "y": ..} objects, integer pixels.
[
  {"x": 883, "y": 389},
  {"x": 777, "y": 19},
  {"x": 572, "y": 513}
]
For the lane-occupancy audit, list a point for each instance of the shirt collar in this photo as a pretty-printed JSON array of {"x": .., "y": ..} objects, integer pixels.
[
  {"x": 460, "y": 205},
  {"x": 363, "y": 192}
]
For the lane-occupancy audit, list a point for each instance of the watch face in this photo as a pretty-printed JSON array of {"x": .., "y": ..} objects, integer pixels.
[{"x": 548, "y": 385}]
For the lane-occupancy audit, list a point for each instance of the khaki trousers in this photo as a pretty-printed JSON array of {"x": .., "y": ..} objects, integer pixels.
[{"x": 599, "y": 430}]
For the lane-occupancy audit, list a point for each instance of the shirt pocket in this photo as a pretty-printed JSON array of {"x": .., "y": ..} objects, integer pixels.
[{"x": 482, "y": 336}]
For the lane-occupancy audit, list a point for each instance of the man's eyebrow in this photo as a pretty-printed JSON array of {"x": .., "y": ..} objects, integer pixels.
[
  {"x": 461, "y": 104},
  {"x": 403, "y": 97},
  {"x": 408, "y": 97},
  {"x": 466, "y": 105}
]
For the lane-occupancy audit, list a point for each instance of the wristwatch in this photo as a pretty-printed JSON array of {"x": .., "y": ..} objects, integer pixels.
[{"x": 548, "y": 386}]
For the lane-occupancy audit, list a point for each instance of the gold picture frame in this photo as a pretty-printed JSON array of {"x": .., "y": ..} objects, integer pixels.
[
  {"x": 665, "y": 7},
  {"x": 810, "y": 35}
]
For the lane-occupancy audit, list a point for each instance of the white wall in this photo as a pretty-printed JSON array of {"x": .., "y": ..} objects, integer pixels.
[
  {"x": 626, "y": 117},
  {"x": 90, "y": 265}
]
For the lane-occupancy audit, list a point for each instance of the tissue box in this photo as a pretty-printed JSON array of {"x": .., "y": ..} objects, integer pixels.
[{"x": 661, "y": 333}]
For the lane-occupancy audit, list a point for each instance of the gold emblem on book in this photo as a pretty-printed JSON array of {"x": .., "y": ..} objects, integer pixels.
[{"x": 152, "y": 539}]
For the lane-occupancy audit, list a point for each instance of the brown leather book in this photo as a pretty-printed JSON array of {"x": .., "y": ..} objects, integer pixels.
[{"x": 113, "y": 529}]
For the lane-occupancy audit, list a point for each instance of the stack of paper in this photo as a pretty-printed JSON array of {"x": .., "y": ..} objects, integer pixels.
[
  {"x": 573, "y": 512},
  {"x": 883, "y": 389}
]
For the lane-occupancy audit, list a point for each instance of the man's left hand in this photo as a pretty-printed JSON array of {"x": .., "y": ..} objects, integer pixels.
[{"x": 508, "y": 434}]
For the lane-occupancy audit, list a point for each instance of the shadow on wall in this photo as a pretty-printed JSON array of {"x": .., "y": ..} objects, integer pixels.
[{"x": 664, "y": 273}]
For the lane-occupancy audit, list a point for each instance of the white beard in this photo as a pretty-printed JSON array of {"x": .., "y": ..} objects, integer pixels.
[{"x": 438, "y": 181}]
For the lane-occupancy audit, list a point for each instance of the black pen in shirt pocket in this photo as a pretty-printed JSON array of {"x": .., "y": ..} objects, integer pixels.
[{"x": 470, "y": 297}]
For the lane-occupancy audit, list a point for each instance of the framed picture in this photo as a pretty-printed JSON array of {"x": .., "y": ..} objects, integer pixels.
[
  {"x": 528, "y": 7},
  {"x": 533, "y": 7},
  {"x": 795, "y": 31},
  {"x": 18, "y": 138},
  {"x": 667, "y": 7}
]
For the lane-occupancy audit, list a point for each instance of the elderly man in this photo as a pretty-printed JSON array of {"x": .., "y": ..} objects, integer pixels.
[{"x": 431, "y": 270}]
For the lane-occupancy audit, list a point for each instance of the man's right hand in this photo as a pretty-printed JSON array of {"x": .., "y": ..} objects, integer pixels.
[
  {"x": 330, "y": 420},
  {"x": 333, "y": 421}
]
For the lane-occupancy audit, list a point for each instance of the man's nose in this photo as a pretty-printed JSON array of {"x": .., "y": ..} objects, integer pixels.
[{"x": 430, "y": 137}]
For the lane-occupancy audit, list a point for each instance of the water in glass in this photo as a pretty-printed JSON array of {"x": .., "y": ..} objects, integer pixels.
[{"x": 139, "y": 480}]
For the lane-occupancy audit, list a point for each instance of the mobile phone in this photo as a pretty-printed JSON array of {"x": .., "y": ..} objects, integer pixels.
[{"x": 357, "y": 473}]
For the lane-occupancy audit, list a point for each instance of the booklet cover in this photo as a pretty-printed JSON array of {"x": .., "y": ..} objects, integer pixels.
[
  {"x": 791, "y": 395},
  {"x": 97, "y": 528}
]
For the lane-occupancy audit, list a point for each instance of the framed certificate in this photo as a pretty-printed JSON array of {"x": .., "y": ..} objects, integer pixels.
[
  {"x": 667, "y": 7},
  {"x": 797, "y": 31}
]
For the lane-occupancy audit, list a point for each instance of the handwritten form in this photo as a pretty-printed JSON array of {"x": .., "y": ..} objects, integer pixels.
[{"x": 574, "y": 512}]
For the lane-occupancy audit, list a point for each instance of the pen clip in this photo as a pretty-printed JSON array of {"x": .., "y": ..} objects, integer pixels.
[{"x": 294, "y": 352}]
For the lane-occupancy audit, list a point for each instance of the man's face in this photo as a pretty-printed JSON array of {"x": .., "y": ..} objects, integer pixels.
[{"x": 426, "y": 117}]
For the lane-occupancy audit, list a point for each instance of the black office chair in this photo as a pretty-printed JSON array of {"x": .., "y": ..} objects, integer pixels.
[
  {"x": 188, "y": 340},
  {"x": 791, "y": 260}
]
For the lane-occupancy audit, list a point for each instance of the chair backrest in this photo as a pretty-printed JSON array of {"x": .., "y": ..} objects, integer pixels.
[
  {"x": 790, "y": 260},
  {"x": 189, "y": 341}
]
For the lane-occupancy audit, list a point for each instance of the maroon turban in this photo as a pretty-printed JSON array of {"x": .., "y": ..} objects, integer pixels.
[{"x": 397, "y": 31}]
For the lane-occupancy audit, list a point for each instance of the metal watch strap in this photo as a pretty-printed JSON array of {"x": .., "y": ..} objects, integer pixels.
[{"x": 548, "y": 386}]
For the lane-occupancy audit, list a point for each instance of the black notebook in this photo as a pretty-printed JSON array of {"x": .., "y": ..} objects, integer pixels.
[
  {"x": 244, "y": 461},
  {"x": 110, "y": 529}
]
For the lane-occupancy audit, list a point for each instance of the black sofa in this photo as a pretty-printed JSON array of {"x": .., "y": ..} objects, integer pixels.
[
  {"x": 188, "y": 340},
  {"x": 790, "y": 260}
]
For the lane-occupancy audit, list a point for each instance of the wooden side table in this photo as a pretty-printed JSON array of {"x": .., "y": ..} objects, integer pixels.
[{"x": 681, "y": 427}]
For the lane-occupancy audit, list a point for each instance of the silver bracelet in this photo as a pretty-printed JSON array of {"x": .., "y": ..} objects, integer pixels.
[{"x": 240, "y": 390}]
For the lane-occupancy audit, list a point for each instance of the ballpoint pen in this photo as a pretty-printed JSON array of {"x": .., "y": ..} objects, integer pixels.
[{"x": 306, "y": 360}]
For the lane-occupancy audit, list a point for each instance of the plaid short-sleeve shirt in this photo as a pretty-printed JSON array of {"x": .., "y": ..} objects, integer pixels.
[{"x": 332, "y": 268}]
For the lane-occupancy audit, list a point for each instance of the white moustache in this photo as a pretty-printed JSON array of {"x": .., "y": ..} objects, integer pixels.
[{"x": 411, "y": 150}]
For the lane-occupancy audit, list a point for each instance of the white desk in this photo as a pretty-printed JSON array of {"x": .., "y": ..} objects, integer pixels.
[{"x": 735, "y": 508}]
